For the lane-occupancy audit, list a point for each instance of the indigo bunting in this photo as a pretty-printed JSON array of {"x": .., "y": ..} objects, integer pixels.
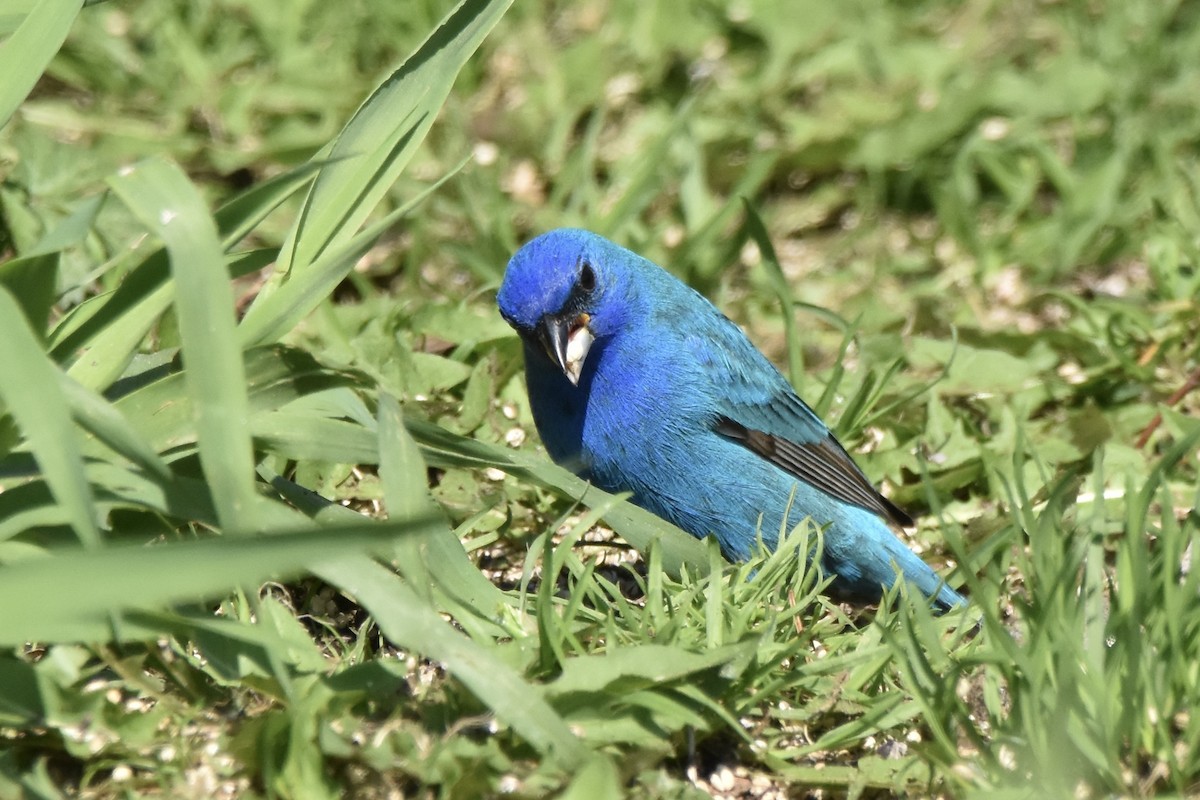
[{"x": 639, "y": 384}]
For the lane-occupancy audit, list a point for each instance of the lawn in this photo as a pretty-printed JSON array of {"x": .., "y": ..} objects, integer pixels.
[{"x": 274, "y": 517}]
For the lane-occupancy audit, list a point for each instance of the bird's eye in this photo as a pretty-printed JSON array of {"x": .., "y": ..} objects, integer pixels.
[{"x": 587, "y": 277}]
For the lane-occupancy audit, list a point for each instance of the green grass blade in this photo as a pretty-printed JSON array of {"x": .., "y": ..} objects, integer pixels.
[
  {"x": 598, "y": 780},
  {"x": 461, "y": 588},
  {"x": 74, "y": 591},
  {"x": 32, "y": 280},
  {"x": 627, "y": 669},
  {"x": 275, "y": 376},
  {"x": 102, "y": 344},
  {"x": 411, "y": 624},
  {"x": 31, "y": 388},
  {"x": 25, "y": 54},
  {"x": 276, "y": 312},
  {"x": 757, "y": 231},
  {"x": 636, "y": 525},
  {"x": 382, "y": 136},
  {"x": 162, "y": 197},
  {"x": 402, "y": 471},
  {"x": 307, "y": 436},
  {"x": 103, "y": 421},
  {"x": 439, "y": 557},
  {"x": 101, "y": 358}
]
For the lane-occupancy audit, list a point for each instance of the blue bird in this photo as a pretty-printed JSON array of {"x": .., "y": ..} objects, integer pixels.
[{"x": 639, "y": 384}]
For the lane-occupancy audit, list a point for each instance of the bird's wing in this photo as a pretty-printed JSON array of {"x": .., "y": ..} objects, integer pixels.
[
  {"x": 824, "y": 464},
  {"x": 758, "y": 409}
]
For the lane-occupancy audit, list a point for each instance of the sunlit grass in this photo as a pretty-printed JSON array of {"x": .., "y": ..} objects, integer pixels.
[{"x": 970, "y": 233}]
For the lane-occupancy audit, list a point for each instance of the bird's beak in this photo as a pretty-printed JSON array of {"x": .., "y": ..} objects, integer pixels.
[{"x": 567, "y": 340}]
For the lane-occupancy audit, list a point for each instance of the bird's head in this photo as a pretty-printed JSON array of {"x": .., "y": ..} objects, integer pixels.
[{"x": 561, "y": 292}]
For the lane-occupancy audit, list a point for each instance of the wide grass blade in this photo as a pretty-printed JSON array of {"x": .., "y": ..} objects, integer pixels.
[
  {"x": 31, "y": 387},
  {"x": 68, "y": 595},
  {"x": 275, "y": 376},
  {"x": 405, "y": 488},
  {"x": 25, "y": 54},
  {"x": 162, "y": 197},
  {"x": 409, "y": 623},
  {"x": 439, "y": 557},
  {"x": 636, "y": 525},
  {"x": 360, "y": 167},
  {"x": 103, "y": 421},
  {"x": 32, "y": 281},
  {"x": 102, "y": 342},
  {"x": 275, "y": 312},
  {"x": 382, "y": 136}
]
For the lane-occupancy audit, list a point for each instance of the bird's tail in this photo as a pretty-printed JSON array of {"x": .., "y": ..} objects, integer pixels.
[
  {"x": 920, "y": 575},
  {"x": 866, "y": 555}
]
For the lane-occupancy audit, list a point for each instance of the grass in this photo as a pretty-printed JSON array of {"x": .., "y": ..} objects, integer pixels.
[{"x": 274, "y": 520}]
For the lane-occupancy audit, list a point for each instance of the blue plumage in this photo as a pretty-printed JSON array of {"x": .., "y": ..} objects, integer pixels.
[{"x": 639, "y": 384}]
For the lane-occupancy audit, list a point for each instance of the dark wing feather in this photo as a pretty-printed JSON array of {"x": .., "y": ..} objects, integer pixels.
[
  {"x": 825, "y": 464},
  {"x": 758, "y": 408}
]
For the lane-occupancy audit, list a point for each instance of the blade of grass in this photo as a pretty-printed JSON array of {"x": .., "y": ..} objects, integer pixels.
[
  {"x": 25, "y": 54},
  {"x": 102, "y": 343},
  {"x": 636, "y": 525},
  {"x": 402, "y": 471},
  {"x": 275, "y": 376},
  {"x": 162, "y": 197},
  {"x": 75, "y": 590},
  {"x": 384, "y": 133},
  {"x": 276, "y": 312},
  {"x": 408, "y": 623},
  {"x": 32, "y": 281},
  {"x": 31, "y": 387},
  {"x": 758, "y": 234},
  {"x": 445, "y": 558},
  {"x": 108, "y": 425}
]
